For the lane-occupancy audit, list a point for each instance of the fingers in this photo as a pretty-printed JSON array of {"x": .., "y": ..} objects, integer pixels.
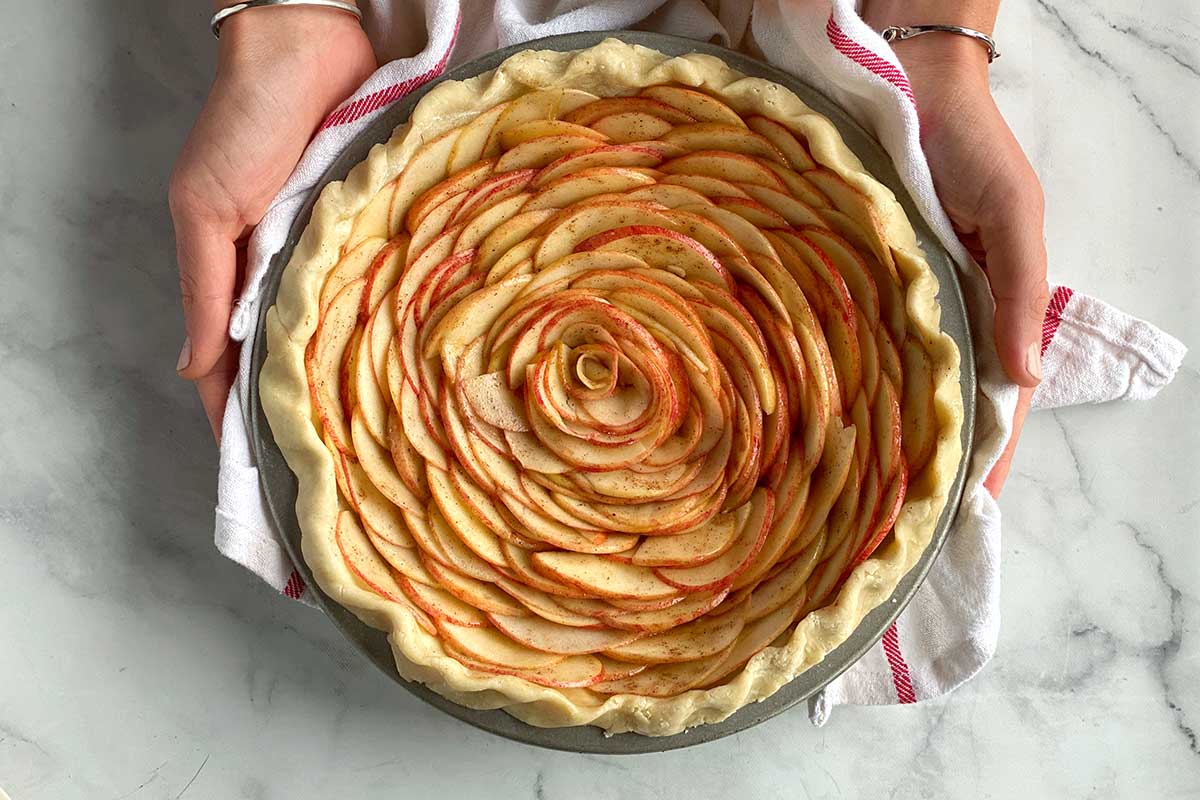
[
  {"x": 207, "y": 278},
  {"x": 1016, "y": 264},
  {"x": 215, "y": 385},
  {"x": 995, "y": 479}
]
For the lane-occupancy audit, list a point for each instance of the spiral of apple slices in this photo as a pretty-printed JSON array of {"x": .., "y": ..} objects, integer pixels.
[{"x": 618, "y": 389}]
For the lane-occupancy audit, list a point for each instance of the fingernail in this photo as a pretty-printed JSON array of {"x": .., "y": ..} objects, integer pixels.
[
  {"x": 185, "y": 356},
  {"x": 1033, "y": 360}
]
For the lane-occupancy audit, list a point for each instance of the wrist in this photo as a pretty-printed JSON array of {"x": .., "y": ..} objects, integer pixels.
[
  {"x": 270, "y": 33},
  {"x": 937, "y": 56}
]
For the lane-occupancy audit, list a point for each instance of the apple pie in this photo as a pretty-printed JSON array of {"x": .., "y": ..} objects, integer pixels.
[{"x": 615, "y": 390}]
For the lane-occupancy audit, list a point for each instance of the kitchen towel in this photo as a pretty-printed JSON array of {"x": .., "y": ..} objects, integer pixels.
[{"x": 1092, "y": 351}]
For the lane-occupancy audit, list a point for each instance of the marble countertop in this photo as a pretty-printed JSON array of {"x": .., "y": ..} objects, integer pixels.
[{"x": 136, "y": 663}]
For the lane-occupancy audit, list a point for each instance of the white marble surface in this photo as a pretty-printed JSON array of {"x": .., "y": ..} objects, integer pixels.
[{"x": 136, "y": 663}]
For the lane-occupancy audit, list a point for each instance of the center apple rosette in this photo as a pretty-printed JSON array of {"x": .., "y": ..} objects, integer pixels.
[{"x": 617, "y": 389}]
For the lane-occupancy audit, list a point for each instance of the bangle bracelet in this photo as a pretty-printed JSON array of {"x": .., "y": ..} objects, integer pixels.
[
  {"x": 226, "y": 13},
  {"x": 900, "y": 33}
]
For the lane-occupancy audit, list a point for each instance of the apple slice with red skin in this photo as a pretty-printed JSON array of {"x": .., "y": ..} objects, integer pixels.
[
  {"x": 544, "y": 128},
  {"x": 441, "y": 605},
  {"x": 665, "y": 680},
  {"x": 732, "y": 167},
  {"x": 608, "y": 155},
  {"x": 538, "y": 153},
  {"x": 783, "y": 140},
  {"x": 425, "y": 169},
  {"x": 475, "y": 142},
  {"x": 471, "y": 531},
  {"x": 520, "y": 565},
  {"x": 546, "y": 605},
  {"x": 450, "y": 550},
  {"x": 851, "y": 201},
  {"x": 696, "y": 104},
  {"x": 576, "y": 672},
  {"x": 887, "y": 427},
  {"x": 464, "y": 181},
  {"x": 722, "y": 571},
  {"x": 692, "y": 606},
  {"x": 324, "y": 357},
  {"x": 851, "y": 267},
  {"x": 549, "y": 637},
  {"x": 363, "y": 560},
  {"x": 404, "y": 561},
  {"x": 576, "y": 187},
  {"x": 477, "y": 594},
  {"x": 799, "y": 187},
  {"x": 495, "y": 189},
  {"x": 700, "y": 638},
  {"x": 751, "y": 210},
  {"x": 661, "y": 248},
  {"x": 690, "y": 548},
  {"x": 796, "y": 212},
  {"x": 782, "y": 588},
  {"x": 353, "y": 265},
  {"x": 724, "y": 137},
  {"x": 631, "y": 126},
  {"x": 917, "y": 412},
  {"x": 602, "y": 577},
  {"x": 379, "y": 468},
  {"x": 543, "y": 104},
  {"x": 574, "y": 225},
  {"x": 616, "y": 670},
  {"x": 755, "y": 637},
  {"x": 590, "y": 113},
  {"x": 489, "y": 646},
  {"x": 828, "y": 480},
  {"x": 889, "y": 510}
]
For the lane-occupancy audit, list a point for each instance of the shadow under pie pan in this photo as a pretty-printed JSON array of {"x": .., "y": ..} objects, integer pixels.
[{"x": 280, "y": 487}]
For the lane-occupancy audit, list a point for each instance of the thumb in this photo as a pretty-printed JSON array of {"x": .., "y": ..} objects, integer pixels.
[
  {"x": 1016, "y": 267},
  {"x": 207, "y": 277}
]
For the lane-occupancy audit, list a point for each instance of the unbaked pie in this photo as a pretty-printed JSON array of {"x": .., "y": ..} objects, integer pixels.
[{"x": 615, "y": 390}]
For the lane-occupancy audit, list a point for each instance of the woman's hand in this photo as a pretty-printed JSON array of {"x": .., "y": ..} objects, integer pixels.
[
  {"x": 280, "y": 71},
  {"x": 988, "y": 188}
]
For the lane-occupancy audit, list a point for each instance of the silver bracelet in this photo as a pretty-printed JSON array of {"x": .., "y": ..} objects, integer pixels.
[
  {"x": 900, "y": 33},
  {"x": 226, "y": 13}
]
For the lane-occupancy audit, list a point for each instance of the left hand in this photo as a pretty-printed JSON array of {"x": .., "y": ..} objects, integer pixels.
[{"x": 992, "y": 196}]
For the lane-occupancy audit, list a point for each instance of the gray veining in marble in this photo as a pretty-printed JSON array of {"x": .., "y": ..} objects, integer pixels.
[{"x": 136, "y": 663}]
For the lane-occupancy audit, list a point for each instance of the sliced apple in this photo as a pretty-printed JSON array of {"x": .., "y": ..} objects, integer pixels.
[
  {"x": 631, "y": 126},
  {"x": 692, "y": 606},
  {"x": 665, "y": 680},
  {"x": 732, "y": 167},
  {"x": 490, "y": 646},
  {"x": 602, "y": 577},
  {"x": 722, "y": 571},
  {"x": 542, "y": 104},
  {"x": 783, "y": 140},
  {"x": 475, "y": 142},
  {"x": 917, "y": 412},
  {"x": 611, "y": 155},
  {"x": 576, "y": 672},
  {"x": 458, "y": 183},
  {"x": 700, "y": 638},
  {"x": 722, "y": 136},
  {"x": 425, "y": 168},
  {"x": 689, "y": 548},
  {"x": 477, "y": 594},
  {"x": 596, "y": 110},
  {"x": 543, "y": 128},
  {"x": 362, "y": 559},
  {"x": 441, "y": 605},
  {"x": 696, "y": 104},
  {"x": 549, "y": 637},
  {"x": 576, "y": 187},
  {"x": 755, "y": 637},
  {"x": 376, "y": 462},
  {"x": 354, "y": 264},
  {"x": 537, "y": 153}
]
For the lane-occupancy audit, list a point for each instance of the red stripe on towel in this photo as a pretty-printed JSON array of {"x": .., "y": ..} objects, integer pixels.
[
  {"x": 295, "y": 586},
  {"x": 900, "y": 677},
  {"x": 1054, "y": 311},
  {"x": 867, "y": 59},
  {"x": 390, "y": 94}
]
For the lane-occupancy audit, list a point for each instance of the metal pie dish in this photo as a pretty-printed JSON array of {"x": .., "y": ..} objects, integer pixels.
[{"x": 280, "y": 485}]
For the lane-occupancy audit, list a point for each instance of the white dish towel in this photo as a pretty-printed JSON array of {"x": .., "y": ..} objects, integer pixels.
[{"x": 1093, "y": 352}]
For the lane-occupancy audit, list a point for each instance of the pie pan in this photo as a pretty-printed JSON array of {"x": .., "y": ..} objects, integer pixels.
[{"x": 280, "y": 486}]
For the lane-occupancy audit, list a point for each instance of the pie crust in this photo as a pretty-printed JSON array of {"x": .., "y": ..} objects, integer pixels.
[{"x": 609, "y": 69}]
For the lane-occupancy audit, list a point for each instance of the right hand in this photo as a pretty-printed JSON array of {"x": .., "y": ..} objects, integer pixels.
[{"x": 280, "y": 72}]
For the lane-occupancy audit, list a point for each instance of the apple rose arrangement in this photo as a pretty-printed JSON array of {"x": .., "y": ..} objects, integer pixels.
[{"x": 617, "y": 389}]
